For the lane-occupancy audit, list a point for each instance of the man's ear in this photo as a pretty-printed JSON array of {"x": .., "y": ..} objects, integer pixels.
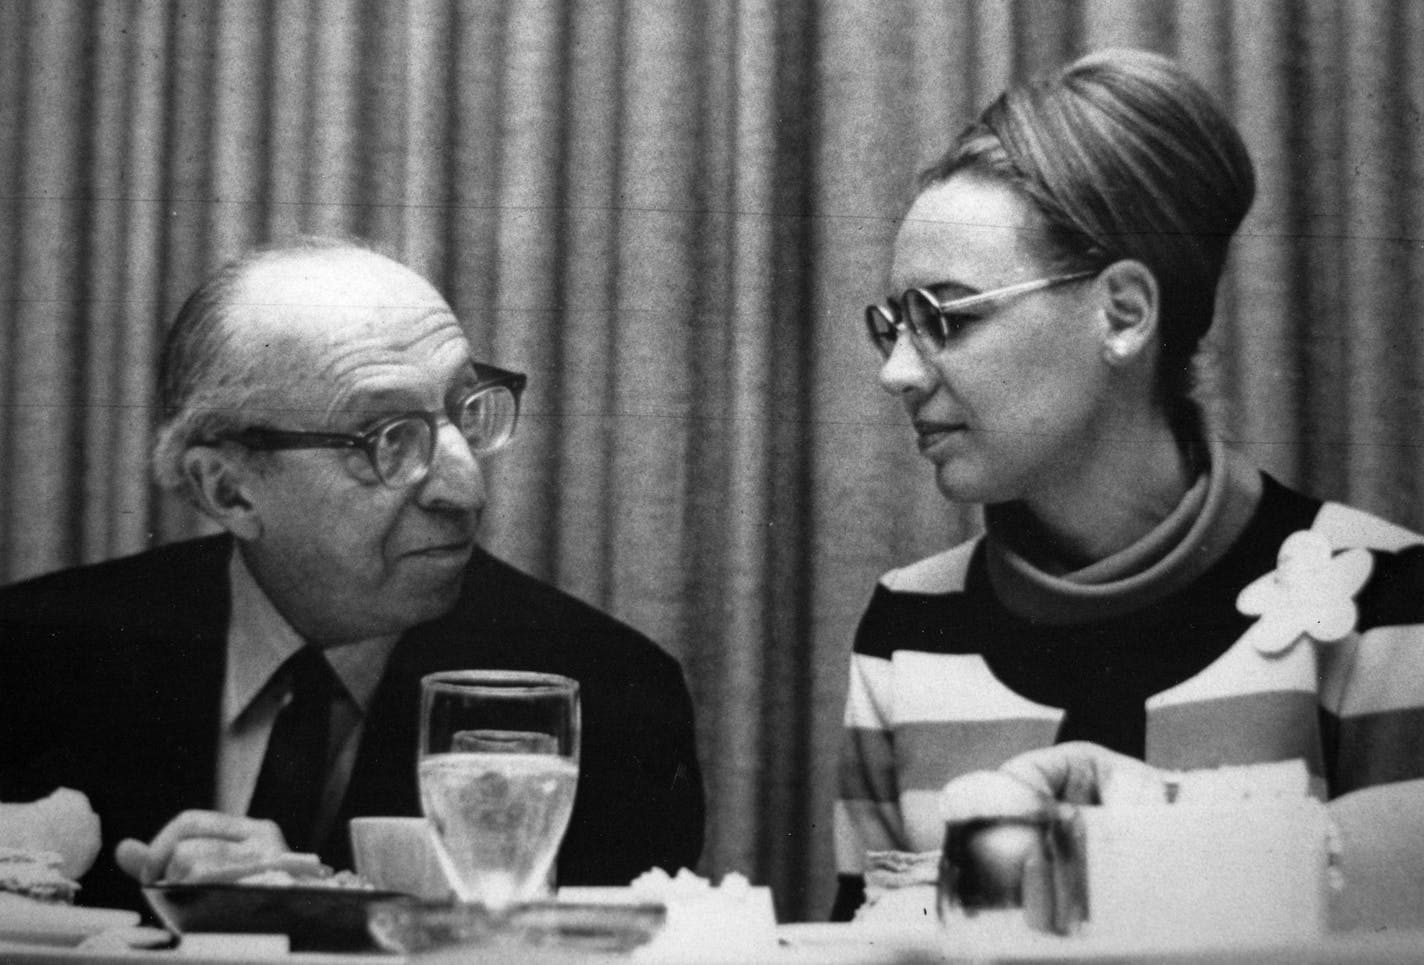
[
  {"x": 218, "y": 480},
  {"x": 1131, "y": 311}
]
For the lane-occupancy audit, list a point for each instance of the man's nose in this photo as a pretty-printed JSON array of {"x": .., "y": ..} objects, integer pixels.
[
  {"x": 455, "y": 480},
  {"x": 906, "y": 369}
]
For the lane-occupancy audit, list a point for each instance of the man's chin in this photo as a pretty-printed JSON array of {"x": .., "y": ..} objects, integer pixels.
[
  {"x": 430, "y": 600},
  {"x": 412, "y": 599}
]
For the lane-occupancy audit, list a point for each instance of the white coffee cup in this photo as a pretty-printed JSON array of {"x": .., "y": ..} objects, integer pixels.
[{"x": 399, "y": 854}]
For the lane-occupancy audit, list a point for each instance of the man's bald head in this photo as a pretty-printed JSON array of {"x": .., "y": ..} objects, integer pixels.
[{"x": 246, "y": 331}]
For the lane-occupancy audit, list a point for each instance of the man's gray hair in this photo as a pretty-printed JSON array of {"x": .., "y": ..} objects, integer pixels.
[{"x": 207, "y": 374}]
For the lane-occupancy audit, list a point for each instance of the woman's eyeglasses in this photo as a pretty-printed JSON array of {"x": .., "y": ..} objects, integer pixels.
[
  {"x": 399, "y": 449},
  {"x": 933, "y": 322}
]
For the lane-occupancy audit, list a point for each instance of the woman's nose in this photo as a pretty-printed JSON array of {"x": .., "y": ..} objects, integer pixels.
[{"x": 906, "y": 369}]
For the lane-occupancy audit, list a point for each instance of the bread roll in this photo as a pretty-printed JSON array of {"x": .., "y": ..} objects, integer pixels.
[{"x": 62, "y": 823}]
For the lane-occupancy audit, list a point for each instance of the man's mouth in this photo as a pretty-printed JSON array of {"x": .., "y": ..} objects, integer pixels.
[
  {"x": 929, "y": 434},
  {"x": 438, "y": 551}
]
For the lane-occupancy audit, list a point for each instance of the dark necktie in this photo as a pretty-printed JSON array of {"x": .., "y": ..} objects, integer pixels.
[{"x": 294, "y": 771}]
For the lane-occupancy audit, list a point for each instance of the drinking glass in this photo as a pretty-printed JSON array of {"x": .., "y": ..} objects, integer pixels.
[
  {"x": 1001, "y": 874},
  {"x": 498, "y": 767}
]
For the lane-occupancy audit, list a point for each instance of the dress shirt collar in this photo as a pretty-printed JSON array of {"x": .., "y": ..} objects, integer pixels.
[{"x": 260, "y": 640}]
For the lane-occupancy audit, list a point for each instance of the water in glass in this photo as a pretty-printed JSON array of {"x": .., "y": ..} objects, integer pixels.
[{"x": 498, "y": 771}]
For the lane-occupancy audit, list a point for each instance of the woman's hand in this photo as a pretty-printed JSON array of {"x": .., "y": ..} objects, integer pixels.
[
  {"x": 1009, "y": 859},
  {"x": 1080, "y": 772}
]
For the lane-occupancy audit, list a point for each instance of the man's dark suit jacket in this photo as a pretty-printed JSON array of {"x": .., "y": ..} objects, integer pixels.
[{"x": 111, "y": 676}]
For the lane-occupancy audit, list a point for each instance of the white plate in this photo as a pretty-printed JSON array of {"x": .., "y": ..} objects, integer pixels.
[
  {"x": 597, "y": 895},
  {"x": 38, "y": 923}
]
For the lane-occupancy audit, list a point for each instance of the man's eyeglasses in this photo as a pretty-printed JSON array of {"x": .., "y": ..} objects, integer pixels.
[
  {"x": 399, "y": 449},
  {"x": 933, "y": 322}
]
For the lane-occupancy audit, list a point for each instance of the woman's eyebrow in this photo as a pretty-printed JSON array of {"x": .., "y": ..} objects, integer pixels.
[{"x": 950, "y": 289}]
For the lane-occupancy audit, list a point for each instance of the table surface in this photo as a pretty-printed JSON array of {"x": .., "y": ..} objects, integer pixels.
[
  {"x": 745, "y": 930},
  {"x": 795, "y": 944}
]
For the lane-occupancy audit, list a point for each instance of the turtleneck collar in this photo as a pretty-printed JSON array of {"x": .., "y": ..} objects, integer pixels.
[{"x": 1192, "y": 537}]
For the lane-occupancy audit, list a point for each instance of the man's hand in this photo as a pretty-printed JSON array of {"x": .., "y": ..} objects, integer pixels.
[
  {"x": 1079, "y": 772},
  {"x": 202, "y": 846}
]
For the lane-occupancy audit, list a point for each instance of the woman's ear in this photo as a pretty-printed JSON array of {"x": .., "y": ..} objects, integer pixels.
[
  {"x": 218, "y": 483},
  {"x": 1131, "y": 311}
]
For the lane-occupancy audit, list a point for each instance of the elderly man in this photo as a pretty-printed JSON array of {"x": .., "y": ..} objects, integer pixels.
[{"x": 239, "y": 694}]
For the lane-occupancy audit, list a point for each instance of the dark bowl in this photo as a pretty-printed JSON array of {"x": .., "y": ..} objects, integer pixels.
[{"x": 313, "y": 918}]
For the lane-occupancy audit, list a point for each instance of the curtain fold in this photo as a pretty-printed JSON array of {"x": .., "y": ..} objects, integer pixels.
[
  {"x": 47, "y": 341},
  {"x": 1377, "y": 252},
  {"x": 580, "y": 304},
  {"x": 671, "y": 216},
  {"x": 1317, "y": 168},
  {"x": 139, "y": 209}
]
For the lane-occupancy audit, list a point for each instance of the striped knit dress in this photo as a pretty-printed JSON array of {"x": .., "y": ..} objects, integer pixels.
[{"x": 971, "y": 656}]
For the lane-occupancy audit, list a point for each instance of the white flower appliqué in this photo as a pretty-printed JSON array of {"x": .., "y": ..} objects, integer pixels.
[{"x": 1310, "y": 593}]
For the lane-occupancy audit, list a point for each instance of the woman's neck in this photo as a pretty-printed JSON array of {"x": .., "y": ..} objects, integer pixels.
[{"x": 1120, "y": 497}]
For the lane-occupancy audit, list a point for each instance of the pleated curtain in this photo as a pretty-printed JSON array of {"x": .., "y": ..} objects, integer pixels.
[{"x": 670, "y": 213}]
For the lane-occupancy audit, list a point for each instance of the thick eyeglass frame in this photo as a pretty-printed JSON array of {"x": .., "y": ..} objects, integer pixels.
[
  {"x": 488, "y": 378},
  {"x": 913, "y": 310}
]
